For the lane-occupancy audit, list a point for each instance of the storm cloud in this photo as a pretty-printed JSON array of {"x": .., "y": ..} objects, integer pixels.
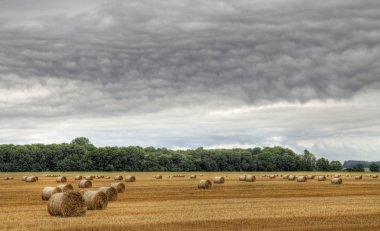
[{"x": 180, "y": 74}]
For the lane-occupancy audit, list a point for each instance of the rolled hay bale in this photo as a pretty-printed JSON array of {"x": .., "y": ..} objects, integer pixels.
[
  {"x": 8, "y": 178},
  {"x": 291, "y": 177},
  {"x": 218, "y": 180},
  {"x": 31, "y": 179},
  {"x": 120, "y": 187},
  {"x": 65, "y": 187},
  {"x": 130, "y": 178},
  {"x": 88, "y": 177},
  {"x": 78, "y": 177},
  {"x": 250, "y": 178},
  {"x": 118, "y": 178},
  {"x": 285, "y": 177},
  {"x": 242, "y": 178},
  {"x": 24, "y": 178},
  {"x": 301, "y": 178},
  {"x": 374, "y": 176},
  {"x": 67, "y": 204},
  {"x": 309, "y": 177},
  {"x": 336, "y": 180},
  {"x": 158, "y": 177},
  {"x": 61, "y": 179},
  {"x": 336, "y": 175},
  {"x": 110, "y": 192},
  {"x": 47, "y": 192},
  {"x": 204, "y": 184},
  {"x": 193, "y": 176},
  {"x": 95, "y": 200},
  {"x": 85, "y": 184},
  {"x": 358, "y": 177},
  {"x": 272, "y": 176},
  {"x": 321, "y": 178}
]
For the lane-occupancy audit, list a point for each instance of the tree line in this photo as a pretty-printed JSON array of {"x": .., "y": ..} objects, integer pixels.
[{"x": 81, "y": 155}]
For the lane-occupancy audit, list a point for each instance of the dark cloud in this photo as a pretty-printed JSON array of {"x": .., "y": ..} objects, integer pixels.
[{"x": 137, "y": 58}]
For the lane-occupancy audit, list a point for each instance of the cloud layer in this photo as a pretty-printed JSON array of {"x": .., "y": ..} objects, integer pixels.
[{"x": 193, "y": 73}]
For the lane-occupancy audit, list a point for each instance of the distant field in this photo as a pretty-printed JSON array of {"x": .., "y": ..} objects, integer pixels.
[{"x": 177, "y": 204}]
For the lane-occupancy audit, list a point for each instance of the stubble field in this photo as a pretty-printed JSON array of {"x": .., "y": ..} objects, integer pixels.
[{"x": 177, "y": 204}]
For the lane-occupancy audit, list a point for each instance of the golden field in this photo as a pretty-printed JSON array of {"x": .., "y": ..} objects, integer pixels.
[{"x": 177, "y": 204}]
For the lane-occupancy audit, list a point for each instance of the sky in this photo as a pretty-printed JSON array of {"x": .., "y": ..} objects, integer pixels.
[{"x": 193, "y": 73}]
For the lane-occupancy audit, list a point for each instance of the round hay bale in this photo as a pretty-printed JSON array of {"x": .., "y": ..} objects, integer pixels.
[
  {"x": 321, "y": 178},
  {"x": 374, "y": 176},
  {"x": 108, "y": 177},
  {"x": 65, "y": 187},
  {"x": 118, "y": 178},
  {"x": 358, "y": 177},
  {"x": 301, "y": 179},
  {"x": 24, "y": 178},
  {"x": 218, "y": 180},
  {"x": 336, "y": 180},
  {"x": 158, "y": 177},
  {"x": 309, "y": 177},
  {"x": 250, "y": 178},
  {"x": 95, "y": 200},
  {"x": 120, "y": 187},
  {"x": 89, "y": 177},
  {"x": 85, "y": 184},
  {"x": 272, "y": 176},
  {"x": 193, "y": 176},
  {"x": 110, "y": 192},
  {"x": 130, "y": 178},
  {"x": 47, "y": 192},
  {"x": 285, "y": 177},
  {"x": 204, "y": 184},
  {"x": 61, "y": 179},
  {"x": 31, "y": 179},
  {"x": 336, "y": 175},
  {"x": 78, "y": 177},
  {"x": 242, "y": 178},
  {"x": 291, "y": 177},
  {"x": 67, "y": 204}
]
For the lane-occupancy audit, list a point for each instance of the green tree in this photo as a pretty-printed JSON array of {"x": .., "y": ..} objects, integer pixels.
[
  {"x": 358, "y": 168},
  {"x": 336, "y": 165},
  {"x": 323, "y": 164},
  {"x": 81, "y": 141},
  {"x": 374, "y": 167}
]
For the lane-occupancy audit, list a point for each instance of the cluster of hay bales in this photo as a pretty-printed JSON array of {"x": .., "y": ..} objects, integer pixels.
[
  {"x": 88, "y": 177},
  {"x": 204, "y": 184},
  {"x": 130, "y": 178},
  {"x": 219, "y": 180},
  {"x": 118, "y": 177},
  {"x": 193, "y": 176},
  {"x": 85, "y": 184},
  {"x": 30, "y": 179},
  {"x": 99, "y": 177},
  {"x": 178, "y": 175},
  {"x": 61, "y": 179},
  {"x": 336, "y": 180},
  {"x": 47, "y": 192},
  {"x": 8, "y": 178},
  {"x": 50, "y": 175}
]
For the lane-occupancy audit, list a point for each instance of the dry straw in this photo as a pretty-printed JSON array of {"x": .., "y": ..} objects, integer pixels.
[
  {"x": 301, "y": 179},
  {"x": 47, "y": 192},
  {"x": 31, "y": 179},
  {"x": 321, "y": 178},
  {"x": 78, "y": 178},
  {"x": 193, "y": 176},
  {"x": 61, "y": 179},
  {"x": 130, "y": 178},
  {"x": 242, "y": 178},
  {"x": 65, "y": 187},
  {"x": 336, "y": 180},
  {"x": 85, "y": 184},
  {"x": 67, "y": 204},
  {"x": 250, "y": 178},
  {"x": 120, "y": 187},
  {"x": 118, "y": 178},
  {"x": 204, "y": 184},
  {"x": 95, "y": 200},
  {"x": 218, "y": 180},
  {"x": 110, "y": 192}
]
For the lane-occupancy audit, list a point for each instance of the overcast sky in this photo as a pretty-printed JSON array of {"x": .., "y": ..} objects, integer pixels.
[{"x": 187, "y": 73}]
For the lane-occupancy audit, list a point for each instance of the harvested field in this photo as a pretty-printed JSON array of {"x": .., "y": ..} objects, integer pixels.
[{"x": 177, "y": 204}]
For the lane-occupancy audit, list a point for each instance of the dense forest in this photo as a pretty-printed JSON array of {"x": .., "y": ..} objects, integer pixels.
[{"x": 81, "y": 155}]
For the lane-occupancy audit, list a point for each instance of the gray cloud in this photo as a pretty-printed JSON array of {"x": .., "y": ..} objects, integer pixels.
[{"x": 138, "y": 60}]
